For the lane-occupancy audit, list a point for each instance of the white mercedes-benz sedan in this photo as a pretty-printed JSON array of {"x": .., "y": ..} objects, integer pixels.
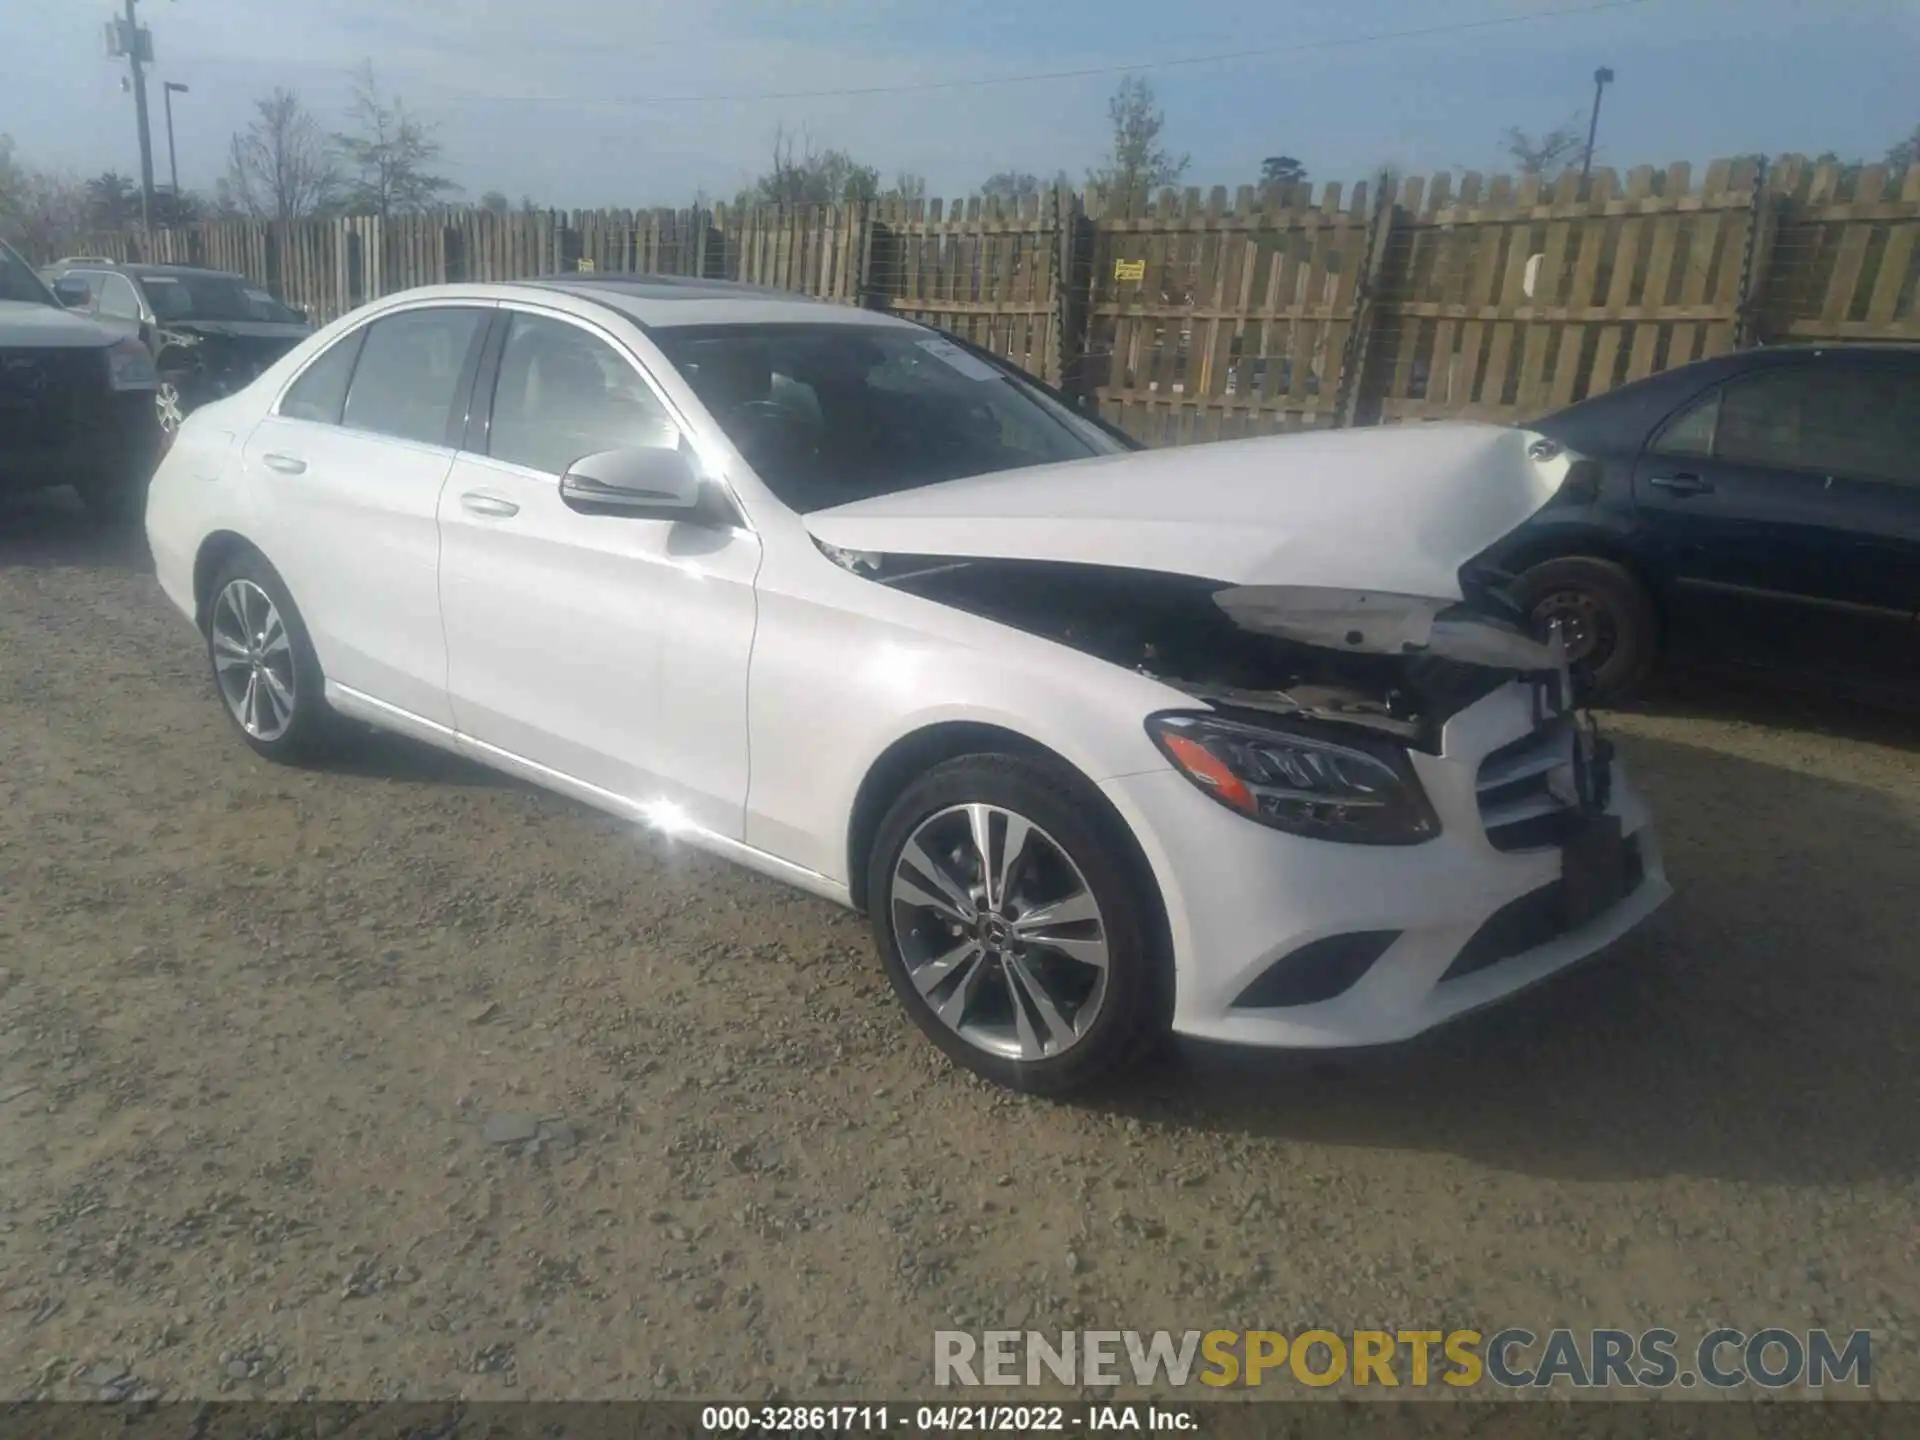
[{"x": 1239, "y": 741}]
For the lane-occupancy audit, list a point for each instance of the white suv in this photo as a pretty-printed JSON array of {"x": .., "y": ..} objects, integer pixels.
[{"x": 1233, "y": 739}]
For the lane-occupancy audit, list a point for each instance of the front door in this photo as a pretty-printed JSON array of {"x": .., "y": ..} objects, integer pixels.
[
  {"x": 1788, "y": 508},
  {"x": 357, "y": 455},
  {"x": 605, "y": 650}
]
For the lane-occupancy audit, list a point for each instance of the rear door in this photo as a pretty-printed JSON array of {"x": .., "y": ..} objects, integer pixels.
[
  {"x": 354, "y": 461},
  {"x": 1787, "y": 506}
]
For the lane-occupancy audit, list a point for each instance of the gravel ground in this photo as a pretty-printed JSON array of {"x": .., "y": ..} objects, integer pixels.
[{"x": 403, "y": 1080}]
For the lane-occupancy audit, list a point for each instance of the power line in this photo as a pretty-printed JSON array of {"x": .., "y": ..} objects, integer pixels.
[{"x": 1265, "y": 52}]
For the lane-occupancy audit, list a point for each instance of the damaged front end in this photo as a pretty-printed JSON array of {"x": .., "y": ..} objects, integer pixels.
[
  {"x": 1313, "y": 697},
  {"x": 201, "y": 363},
  {"x": 1395, "y": 665}
]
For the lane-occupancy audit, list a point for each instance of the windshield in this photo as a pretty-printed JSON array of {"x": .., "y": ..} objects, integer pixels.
[
  {"x": 211, "y": 297},
  {"x": 18, "y": 282},
  {"x": 828, "y": 414}
]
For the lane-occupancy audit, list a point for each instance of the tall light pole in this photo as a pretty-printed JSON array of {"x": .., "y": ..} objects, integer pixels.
[
  {"x": 126, "y": 37},
  {"x": 1602, "y": 78},
  {"x": 170, "y": 88}
]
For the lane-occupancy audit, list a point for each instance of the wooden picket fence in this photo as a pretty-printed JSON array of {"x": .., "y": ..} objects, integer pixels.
[{"x": 1189, "y": 317}]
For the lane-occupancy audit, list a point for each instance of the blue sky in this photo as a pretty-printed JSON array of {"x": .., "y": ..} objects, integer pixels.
[{"x": 582, "y": 102}]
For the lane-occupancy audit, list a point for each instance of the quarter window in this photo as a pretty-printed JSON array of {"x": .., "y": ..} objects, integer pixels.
[
  {"x": 320, "y": 393},
  {"x": 564, "y": 393},
  {"x": 410, "y": 369},
  {"x": 1829, "y": 422},
  {"x": 1692, "y": 433}
]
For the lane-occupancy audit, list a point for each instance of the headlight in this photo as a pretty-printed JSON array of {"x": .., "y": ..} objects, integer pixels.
[
  {"x": 1300, "y": 783},
  {"x": 130, "y": 366}
]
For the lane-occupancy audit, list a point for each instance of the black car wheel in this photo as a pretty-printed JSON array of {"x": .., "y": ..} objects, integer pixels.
[
  {"x": 1605, "y": 616},
  {"x": 1011, "y": 915}
]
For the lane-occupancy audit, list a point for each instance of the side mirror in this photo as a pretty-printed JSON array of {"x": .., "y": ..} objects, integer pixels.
[
  {"x": 72, "y": 292},
  {"x": 650, "y": 481}
]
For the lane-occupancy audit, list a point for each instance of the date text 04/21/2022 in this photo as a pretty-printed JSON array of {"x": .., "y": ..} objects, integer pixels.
[{"x": 942, "y": 1419}]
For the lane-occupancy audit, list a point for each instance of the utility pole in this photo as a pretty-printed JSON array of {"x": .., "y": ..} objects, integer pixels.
[
  {"x": 125, "y": 37},
  {"x": 170, "y": 88},
  {"x": 1602, "y": 78}
]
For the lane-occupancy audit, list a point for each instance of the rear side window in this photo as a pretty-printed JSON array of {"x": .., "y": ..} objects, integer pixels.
[
  {"x": 320, "y": 393},
  {"x": 411, "y": 366}
]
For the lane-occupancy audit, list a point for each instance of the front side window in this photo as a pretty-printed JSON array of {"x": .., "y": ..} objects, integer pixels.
[
  {"x": 563, "y": 393},
  {"x": 828, "y": 414},
  {"x": 320, "y": 394},
  {"x": 1691, "y": 432},
  {"x": 1825, "y": 421},
  {"x": 409, "y": 369},
  {"x": 117, "y": 297}
]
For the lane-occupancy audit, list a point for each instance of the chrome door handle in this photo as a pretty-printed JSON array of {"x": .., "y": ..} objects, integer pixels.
[
  {"x": 481, "y": 503},
  {"x": 1682, "y": 484},
  {"x": 285, "y": 464}
]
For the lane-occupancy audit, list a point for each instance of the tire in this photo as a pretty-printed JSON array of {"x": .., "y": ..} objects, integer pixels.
[
  {"x": 1614, "y": 629},
  {"x": 1088, "y": 1023},
  {"x": 291, "y": 722}
]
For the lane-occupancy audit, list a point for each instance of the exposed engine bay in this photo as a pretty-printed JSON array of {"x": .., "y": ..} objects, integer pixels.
[
  {"x": 1396, "y": 665},
  {"x": 209, "y": 361}
]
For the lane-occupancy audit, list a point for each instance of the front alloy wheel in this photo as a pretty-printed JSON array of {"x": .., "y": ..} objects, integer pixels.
[
  {"x": 167, "y": 404},
  {"x": 1000, "y": 932},
  {"x": 1019, "y": 923}
]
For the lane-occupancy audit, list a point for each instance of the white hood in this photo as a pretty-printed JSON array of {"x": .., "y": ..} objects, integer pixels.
[{"x": 1394, "y": 509}]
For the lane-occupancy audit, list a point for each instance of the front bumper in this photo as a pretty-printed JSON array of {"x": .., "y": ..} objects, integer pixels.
[
  {"x": 97, "y": 437},
  {"x": 1459, "y": 919}
]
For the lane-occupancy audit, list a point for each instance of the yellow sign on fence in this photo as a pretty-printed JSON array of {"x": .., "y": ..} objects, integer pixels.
[
  {"x": 1135, "y": 270},
  {"x": 583, "y": 266}
]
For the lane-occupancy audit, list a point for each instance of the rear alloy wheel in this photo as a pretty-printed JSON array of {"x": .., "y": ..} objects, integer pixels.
[
  {"x": 1011, "y": 926},
  {"x": 263, "y": 665},
  {"x": 1605, "y": 617}
]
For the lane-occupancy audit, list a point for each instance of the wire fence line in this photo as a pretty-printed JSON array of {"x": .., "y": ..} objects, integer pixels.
[{"x": 1188, "y": 316}]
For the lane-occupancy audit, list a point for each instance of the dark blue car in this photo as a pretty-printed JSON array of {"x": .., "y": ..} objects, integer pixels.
[{"x": 1760, "y": 509}]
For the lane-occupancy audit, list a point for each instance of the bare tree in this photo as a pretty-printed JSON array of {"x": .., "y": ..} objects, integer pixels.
[
  {"x": 1011, "y": 184},
  {"x": 907, "y": 185},
  {"x": 1020, "y": 184},
  {"x": 1138, "y": 162},
  {"x": 41, "y": 211},
  {"x": 1906, "y": 152},
  {"x": 1546, "y": 153},
  {"x": 113, "y": 203},
  {"x": 801, "y": 175},
  {"x": 390, "y": 153},
  {"x": 279, "y": 167}
]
